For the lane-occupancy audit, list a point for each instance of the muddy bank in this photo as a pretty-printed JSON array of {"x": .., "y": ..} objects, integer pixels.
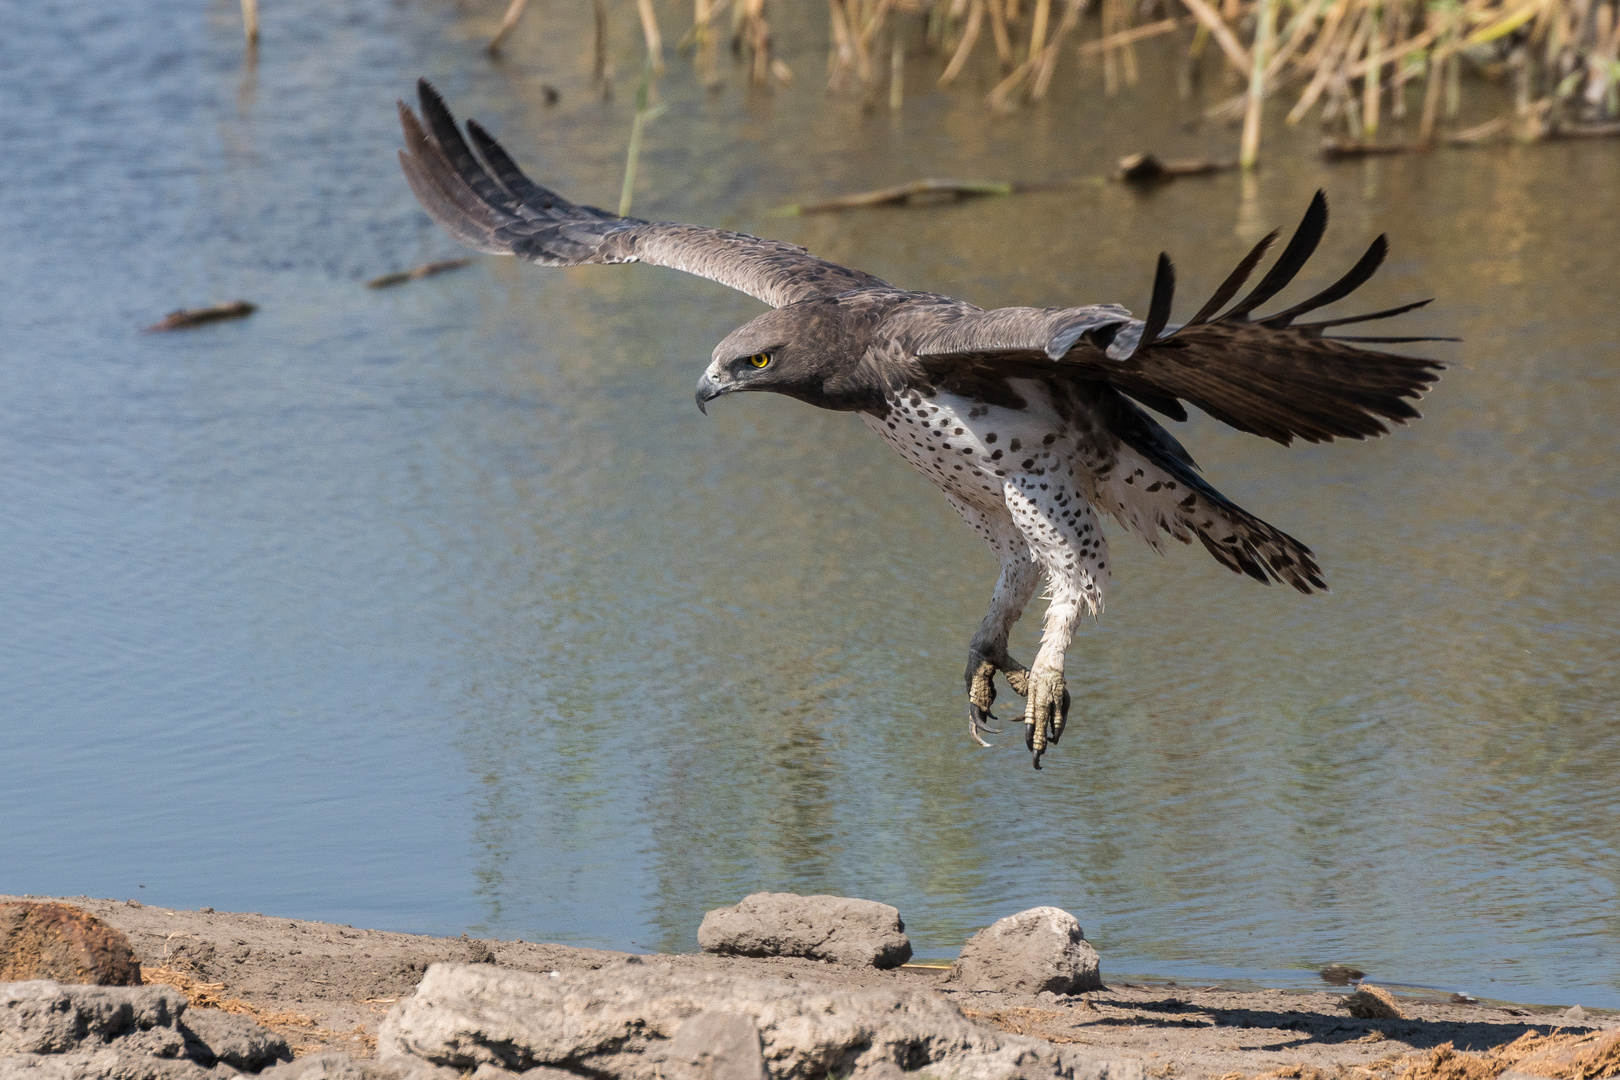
[{"x": 327, "y": 987}]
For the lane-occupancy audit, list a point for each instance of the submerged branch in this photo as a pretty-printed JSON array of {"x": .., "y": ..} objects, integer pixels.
[
  {"x": 184, "y": 318},
  {"x": 933, "y": 192},
  {"x": 1137, "y": 170},
  {"x": 416, "y": 273}
]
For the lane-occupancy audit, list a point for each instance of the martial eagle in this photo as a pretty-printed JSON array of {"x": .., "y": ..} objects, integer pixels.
[{"x": 1029, "y": 419}]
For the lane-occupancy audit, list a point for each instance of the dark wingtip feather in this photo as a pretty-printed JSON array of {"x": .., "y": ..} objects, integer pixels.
[
  {"x": 1300, "y": 248},
  {"x": 1357, "y": 276},
  {"x": 1387, "y": 313},
  {"x": 426, "y": 92},
  {"x": 1234, "y": 281},
  {"x": 1389, "y": 340},
  {"x": 1164, "y": 294}
]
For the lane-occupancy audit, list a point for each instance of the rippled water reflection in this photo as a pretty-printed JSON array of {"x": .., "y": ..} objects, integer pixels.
[{"x": 442, "y": 608}]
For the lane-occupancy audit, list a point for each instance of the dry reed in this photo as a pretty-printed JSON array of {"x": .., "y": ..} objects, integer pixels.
[{"x": 1355, "y": 62}]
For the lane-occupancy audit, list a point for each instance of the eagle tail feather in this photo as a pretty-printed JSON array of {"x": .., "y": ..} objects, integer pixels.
[{"x": 1155, "y": 488}]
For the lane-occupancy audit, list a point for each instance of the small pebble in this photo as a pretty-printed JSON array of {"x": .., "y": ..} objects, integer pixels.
[{"x": 1576, "y": 1013}]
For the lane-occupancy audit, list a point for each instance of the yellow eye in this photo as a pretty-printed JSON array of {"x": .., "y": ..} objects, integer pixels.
[{"x": 760, "y": 359}]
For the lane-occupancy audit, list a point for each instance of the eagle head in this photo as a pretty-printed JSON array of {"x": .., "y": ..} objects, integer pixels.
[{"x": 810, "y": 350}]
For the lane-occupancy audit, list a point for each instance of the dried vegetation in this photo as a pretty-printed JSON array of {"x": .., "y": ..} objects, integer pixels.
[
  {"x": 1560, "y": 1055},
  {"x": 210, "y": 995},
  {"x": 1350, "y": 62}
]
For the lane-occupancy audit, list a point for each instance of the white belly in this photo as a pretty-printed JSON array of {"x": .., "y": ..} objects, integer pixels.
[{"x": 969, "y": 448}]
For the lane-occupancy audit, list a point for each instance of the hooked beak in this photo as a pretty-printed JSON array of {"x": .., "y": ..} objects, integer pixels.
[{"x": 708, "y": 389}]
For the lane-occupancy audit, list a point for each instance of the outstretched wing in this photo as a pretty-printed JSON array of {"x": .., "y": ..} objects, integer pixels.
[
  {"x": 1267, "y": 376},
  {"x": 483, "y": 199}
]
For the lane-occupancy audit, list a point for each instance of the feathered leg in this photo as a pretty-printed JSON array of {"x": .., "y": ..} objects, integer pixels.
[
  {"x": 1015, "y": 587},
  {"x": 1066, "y": 540}
]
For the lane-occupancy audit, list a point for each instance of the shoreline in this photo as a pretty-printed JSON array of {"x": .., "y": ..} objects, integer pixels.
[{"x": 325, "y": 987}]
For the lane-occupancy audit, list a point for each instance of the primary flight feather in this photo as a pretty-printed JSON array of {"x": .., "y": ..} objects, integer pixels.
[{"x": 1027, "y": 418}]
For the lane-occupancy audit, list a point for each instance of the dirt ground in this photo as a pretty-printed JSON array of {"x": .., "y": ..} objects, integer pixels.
[{"x": 327, "y": 987}]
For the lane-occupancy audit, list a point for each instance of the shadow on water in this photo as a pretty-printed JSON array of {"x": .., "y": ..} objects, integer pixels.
[{"x": 441, "y": 608}]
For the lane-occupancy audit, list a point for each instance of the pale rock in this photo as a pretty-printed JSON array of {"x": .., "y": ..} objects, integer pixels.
[
  {"x": 340, "y": 1066},
  {"x": 836, "y": 928},
  {"x": 57, "y": 1031},
  {"x": 1036, "y": 951},
  {"x": 44, "y": 1017},
  {"x": 716, "y": 1046},
  {"x": 624, "y": 1020}
]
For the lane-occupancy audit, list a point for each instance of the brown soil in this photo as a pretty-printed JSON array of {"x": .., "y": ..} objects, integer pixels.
[{"x": 327, "y": 987}]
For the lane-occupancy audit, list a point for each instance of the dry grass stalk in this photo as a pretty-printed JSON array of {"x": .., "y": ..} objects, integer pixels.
[
  {"x": 749, "y": 27},
  {"x": 897, "y": 75},
  {"x": 600, "y": 72},
  {"x": 969, "y": 37},
  {"x": 646, "y": 109},
  {"x": 514, "y": 12},
  {"x": 1037, "y": 27},
  {"x": 250, "y": 21},
  {"x": 1352, "y": 59},
  {"x": 998, "y": 30},
  {"x": 1046, "y": 63},
  {"x": 1131, "y": 36},
  {"x": 1266, "y": 28},
  {"x": 207, "y": 995},
  {"x": 1035, "y": 73},
  {"x": 1211, "y": 20},
  {"x": 649, "y": 30}
]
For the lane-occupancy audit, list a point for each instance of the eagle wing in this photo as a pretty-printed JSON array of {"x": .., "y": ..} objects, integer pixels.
[
  {"x": 1267, "y": 376},
  {"x": 480, "y": 197}
]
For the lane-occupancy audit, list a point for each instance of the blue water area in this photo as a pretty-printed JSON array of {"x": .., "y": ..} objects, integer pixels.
[{"x": 440, "y": 608}]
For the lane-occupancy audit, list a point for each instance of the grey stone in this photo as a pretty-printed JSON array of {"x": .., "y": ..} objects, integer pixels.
[
  {"x": 235, "y": 1040},
  {"x": 836, "y": 928},
  {"x": 623, "y": 1020},
  {"x": 109, "y": 1063},
  {"x": 339, "y": 1066},
  {"x": 716, "y": 1046},
  {"x": 57, "y": 1031},
  {"x": 43, "y": 1017},
  {"x": 1575, "y": 1013},
  {"x": 1042, "y": 949}
]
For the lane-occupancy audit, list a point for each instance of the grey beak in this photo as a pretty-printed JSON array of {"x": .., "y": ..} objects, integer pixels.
[{"x": 708, "y": 390}]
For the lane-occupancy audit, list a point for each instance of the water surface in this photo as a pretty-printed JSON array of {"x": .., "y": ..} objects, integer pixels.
[{"x": 442, "y": 608}]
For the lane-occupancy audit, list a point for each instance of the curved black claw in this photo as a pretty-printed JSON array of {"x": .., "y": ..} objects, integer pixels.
[
  {"x": 979, "y": 720},
  {"x": 1046, "y": 714},
  {"x": 981, "y": 690}
]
